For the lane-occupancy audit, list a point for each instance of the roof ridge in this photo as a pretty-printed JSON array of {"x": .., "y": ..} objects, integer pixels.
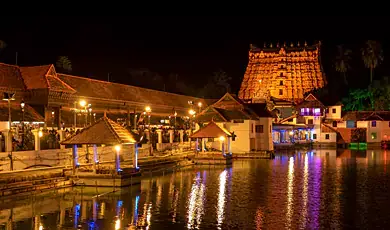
[
  {"x": 2, "y": 63},
  {"x": 111, "y": 128},
  {"x": 138, "y": 87}
]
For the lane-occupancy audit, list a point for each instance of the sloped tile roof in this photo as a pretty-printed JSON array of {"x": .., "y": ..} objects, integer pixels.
[
  {"x": 327, "y": 129},
  {"x": 16, "y": 112},
  {"x": 211, "y": 130},
  {"x": 10, "y": 77},
  {"x": 114, "y": 91},
  {"x": 44, "y": 77},
  {"x": 104, "y": 131},
  {"x": 34, "y": 76}
]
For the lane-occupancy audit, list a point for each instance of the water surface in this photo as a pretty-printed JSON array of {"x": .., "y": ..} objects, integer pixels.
[{"x": 301, "y": 190}]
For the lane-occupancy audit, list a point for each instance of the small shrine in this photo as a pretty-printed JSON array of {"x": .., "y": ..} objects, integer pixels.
[
  {"x": 114, "y": 162},
  {"x": 214, "y": 144}
]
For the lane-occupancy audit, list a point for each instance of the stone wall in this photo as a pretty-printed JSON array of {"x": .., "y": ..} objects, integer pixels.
[{"x": 63, "y": 157}]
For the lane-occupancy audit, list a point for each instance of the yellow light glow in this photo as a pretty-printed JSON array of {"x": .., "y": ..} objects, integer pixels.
[
  {"x": 40, "y": 134},
  {"x": 148, "y": 109},
  {"x": 117, "y": 147},
  {"x": 82, "y": 103},
  {"x": 291, "y": 133},
  {"x": 260, "y": 81},
  {"x": 175, "y": 114},
  {"x": 117, "y": 224},
  {"x": 200, "y": 104},
  {"x": 221, "y": 138},
  {"x": 191, "y": 112}
]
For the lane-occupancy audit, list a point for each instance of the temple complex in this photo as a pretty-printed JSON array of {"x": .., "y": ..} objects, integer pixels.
[{"x": 282, "y": 72}]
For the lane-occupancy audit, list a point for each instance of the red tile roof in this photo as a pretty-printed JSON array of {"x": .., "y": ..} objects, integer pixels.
[
  {"x": 211, "y": 130},
  {"x": 10, "y": 77},
  {"x": 104, "y": 131},
  {"x": 44, "y": 77},
  {"x": 92, "y": 88},
  {"x": 16, "y": 112}
]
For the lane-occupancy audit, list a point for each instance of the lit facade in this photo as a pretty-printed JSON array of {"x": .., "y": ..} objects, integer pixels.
[{"x": 283, "y": 72}]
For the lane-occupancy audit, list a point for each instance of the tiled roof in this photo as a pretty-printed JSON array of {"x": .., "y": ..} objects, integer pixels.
[
  {"x": 104, "y": 131},
  {"x": 260, "y": 109},
  {"x": 327, "y": 129},
  {"x": 16, "y": 112},
  {"x": 211, "y": 130},
  {"x": 367, "y": 116},
  {"x": 34, "y": 76},
  {"x": 210, "y": 114},
  {"x": 10, "y": 77},
  {"x": 108, "y": 90},
  {"x": 44, "y": 77}
]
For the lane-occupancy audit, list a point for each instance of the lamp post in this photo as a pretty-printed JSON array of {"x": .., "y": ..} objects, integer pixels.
[
  {"x": 83, "y": 104},
  {"x": 175, "y": 118},
  {"x": 9, "y": 97},
  {"x": 192, "y": 114},
  {"x": 200, "y": 106},
  {"x": 90, "y": 115},
  {"x": 148, "y": 110},
  {"x": 22, "y": 107}
]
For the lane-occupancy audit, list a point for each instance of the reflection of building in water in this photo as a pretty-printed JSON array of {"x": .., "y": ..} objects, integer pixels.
[
  {"x": 196, "y": 202},
  {"x": 290, "y": 198}
]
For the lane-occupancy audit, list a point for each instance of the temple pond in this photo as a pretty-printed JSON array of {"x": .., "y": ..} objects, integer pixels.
[{"x": 301, "y": 190}]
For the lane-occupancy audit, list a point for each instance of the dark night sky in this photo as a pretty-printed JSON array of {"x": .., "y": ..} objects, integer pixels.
[{"x": 192, "y": 47}]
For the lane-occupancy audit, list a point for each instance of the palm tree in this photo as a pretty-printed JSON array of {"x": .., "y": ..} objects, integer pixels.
[
  {"x": 2, "y": 45},
  {"x": 342, "y": 60},
  {"x": 64, "y": 63},
  {"x": 372, "y": 55}
]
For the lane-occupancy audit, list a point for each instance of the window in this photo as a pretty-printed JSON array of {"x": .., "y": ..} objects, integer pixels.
[
  {"x": 252, "y": 128},
  {"x": 333, "y": 110},
  {"x": 373, "y": 136},
  {"x": 351, "y": 124},
  {"x": 281, "y": 74},
  {"x": 310, "y": 121},
  {"x": 334, "y": 123},
  {"x": 280, "y": 91},
  {"x": 326, "y": 110},
  {"x": 373, "y": 123},
  {"x": 259, "y": 129},
  {"x": 317, "y": 112},
  {"x": 314, "y": 136},
  {"x": 281, "y": 83},
  {"x": 327, "y": 136}
]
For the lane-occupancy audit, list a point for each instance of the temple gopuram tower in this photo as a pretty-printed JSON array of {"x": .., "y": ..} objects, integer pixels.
[{"x": 283, "y": 72}]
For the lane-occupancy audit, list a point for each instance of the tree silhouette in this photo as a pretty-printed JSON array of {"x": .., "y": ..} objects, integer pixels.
[
  {"x": 3, "y": 45},
  {"x": 372, "y": 55},
  {"x": 64, "y": 64},
  {"x": 218, "y": 85},
  {"x": 342, "y": 61}
]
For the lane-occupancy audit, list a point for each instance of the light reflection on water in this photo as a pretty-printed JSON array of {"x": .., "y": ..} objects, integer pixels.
[{"x": 314, "y": 190}]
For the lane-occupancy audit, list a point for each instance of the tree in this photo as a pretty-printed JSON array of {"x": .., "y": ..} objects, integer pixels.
[
  {"x": 217, "y": 86},
  {"x": 64, "y": 64},
  {"x": 3, "y": 45},
  {"x": 357, "y": 100},
  {"x": 342, "y": 61},
  {"x": 372, "y": 55}
]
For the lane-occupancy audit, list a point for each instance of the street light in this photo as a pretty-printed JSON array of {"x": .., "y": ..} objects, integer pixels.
[
  {"x": 82, "y": 103},
  {"x": 200, "y": 106},
  {"x": 148, "y": 110},
  {"x": 9, "y": 97},
  {"x": 22, "y": 107}
]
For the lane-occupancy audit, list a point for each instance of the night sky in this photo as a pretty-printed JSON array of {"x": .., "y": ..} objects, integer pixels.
[{"x": 193, "y": 48}]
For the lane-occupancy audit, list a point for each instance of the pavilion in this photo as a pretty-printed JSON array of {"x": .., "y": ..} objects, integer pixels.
[
  {"x": 105, "y": 132},
  {"x": 210, "y": 132}
]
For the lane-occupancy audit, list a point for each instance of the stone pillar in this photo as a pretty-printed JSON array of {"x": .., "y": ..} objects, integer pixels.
[
  {"x": 203, "y": 144},
  {"x": 37, "y": 139},
  {"x": 196, "y": 144},
  {"x": 8, "y": 140},
  {"x": 181, "y": 133},
  {"x": 62, "y": 137},
  {"x": 223, "y": 146},
  {"x": 229, "y": 146},
  {"x": 62, "y": 217},
  {"x": 159, "y": 134},
  {"x": 83, "y": 210},
  {"x": 171, "y": 136},
  {"x": 47, "y": 116},
  {"x": 1, "y": 145},
  {"x": 135, "y": 120},
  {"x": 128, "y": 123},
  {"x": 135, "y": 158},
  {"x": 58, "y": 117},
  {"x": 94, "y": 208},
  {"x": 147, "y": 132},
  {"x": 117, "y": 159},
  {"x": 95, "y": 158},
  {"x": 75, "y": 159}
]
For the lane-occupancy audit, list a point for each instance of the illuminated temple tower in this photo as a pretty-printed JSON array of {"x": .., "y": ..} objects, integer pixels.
[{"x": 283, "y": 72}]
